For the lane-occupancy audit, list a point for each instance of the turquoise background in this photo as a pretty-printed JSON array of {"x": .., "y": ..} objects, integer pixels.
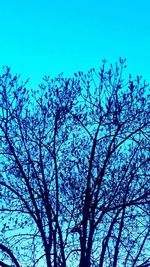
[{"x": 40, "y": 38}]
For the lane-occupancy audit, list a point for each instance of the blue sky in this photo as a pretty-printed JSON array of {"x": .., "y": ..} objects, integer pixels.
[{"x": 48, "y": 37}]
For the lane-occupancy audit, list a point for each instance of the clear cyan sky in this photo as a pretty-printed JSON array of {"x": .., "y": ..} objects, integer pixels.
[{"x": 46, "y": 37}]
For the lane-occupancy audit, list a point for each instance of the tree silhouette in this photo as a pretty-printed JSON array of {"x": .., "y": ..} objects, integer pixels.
[{"x": 74, "y": 170}]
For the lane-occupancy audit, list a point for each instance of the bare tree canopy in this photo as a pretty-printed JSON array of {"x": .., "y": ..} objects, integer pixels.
[{"x": 74, "y": 170}]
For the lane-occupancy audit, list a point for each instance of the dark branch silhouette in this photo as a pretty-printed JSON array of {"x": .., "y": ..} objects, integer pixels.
[{"x": 74, "y": 170}]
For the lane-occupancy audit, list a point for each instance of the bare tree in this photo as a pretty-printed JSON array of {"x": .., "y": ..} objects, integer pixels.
[{"x": 75, "y": 170}]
